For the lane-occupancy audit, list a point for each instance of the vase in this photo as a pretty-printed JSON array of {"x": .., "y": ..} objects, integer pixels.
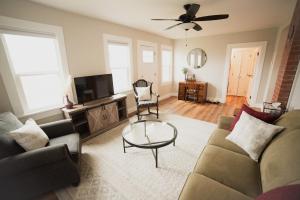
[{"x": 69, "y": 104}]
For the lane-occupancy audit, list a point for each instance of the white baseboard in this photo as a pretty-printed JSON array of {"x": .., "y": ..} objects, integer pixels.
[
  {"x": 167, "y": 96},
  {"x": 214, "y": 99}
]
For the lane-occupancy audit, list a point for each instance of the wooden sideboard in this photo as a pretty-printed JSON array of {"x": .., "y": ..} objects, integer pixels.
[
  {"x": 98, "y": 116},
  {"x": 202, "y": 94}
]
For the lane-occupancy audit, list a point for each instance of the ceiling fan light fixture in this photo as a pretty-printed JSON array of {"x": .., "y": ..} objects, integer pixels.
[{"x": 187, "y": 26}]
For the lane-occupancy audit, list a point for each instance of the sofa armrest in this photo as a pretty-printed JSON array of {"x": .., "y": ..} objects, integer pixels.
[
  {"x": 58, "y": 128},
  {"x": 33, "y": 159},
  {"x": 224, "y": 122}
]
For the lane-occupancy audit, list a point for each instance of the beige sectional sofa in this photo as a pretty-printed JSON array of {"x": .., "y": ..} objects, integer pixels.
[{"x": 226, "y": 172}]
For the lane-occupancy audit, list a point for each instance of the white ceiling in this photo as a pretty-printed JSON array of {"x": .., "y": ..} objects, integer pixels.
[{"x": 244, "y": 15}]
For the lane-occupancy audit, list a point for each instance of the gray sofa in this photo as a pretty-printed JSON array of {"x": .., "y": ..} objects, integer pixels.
[{"x": 26, "y": 175}]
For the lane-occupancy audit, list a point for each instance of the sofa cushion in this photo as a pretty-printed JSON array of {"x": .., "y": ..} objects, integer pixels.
[
  {"x": 8, "y": 146},
  {"x": 201, "y": 187},
  {"x": 73, "y": 143},
  {"x": 231, "y": 169},
  {"x": 290, "y": 192},
  {"x": 280, "y": 163},
  {"x": 218, "y": 139},
  {"x": 266, "y": 117},
  {"x": 30, "y": 136},
  {"x": 290, "y": 121},
  {"x": 253, "y": 135},
  {"x": 9, "y": 122}
]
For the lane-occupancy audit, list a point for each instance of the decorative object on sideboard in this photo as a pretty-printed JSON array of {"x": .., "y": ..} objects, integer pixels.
[
  {"x": 190, "y": 77},
  {"x": 185, "y": 70},
  {"x": 196, "y": 58},
  {"x": 68, "y": 104},
  {"x": 68, "y": 88}
]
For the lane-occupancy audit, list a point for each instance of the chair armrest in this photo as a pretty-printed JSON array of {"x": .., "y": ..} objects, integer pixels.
[
  {"x": 58, "y": 128},
  {"x": 33, "y": 159},
  {"x": 224, "y": 122}
]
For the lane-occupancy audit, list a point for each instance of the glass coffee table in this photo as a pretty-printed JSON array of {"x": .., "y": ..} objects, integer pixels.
[{"x": 149, "y": 134}]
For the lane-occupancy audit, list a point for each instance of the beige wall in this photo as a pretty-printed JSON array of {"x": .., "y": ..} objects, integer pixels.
[
  {"x": 278, "y": 53},
  {"x": 83, "y": 40},
  {"x": 215, "y": 47}
]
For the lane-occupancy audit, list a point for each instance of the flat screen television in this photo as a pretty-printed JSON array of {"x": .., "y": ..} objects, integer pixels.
[{"x": 90, "y": 88}]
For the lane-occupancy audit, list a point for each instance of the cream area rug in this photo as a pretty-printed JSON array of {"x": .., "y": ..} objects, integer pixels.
[{"x": 108, "y": 173}]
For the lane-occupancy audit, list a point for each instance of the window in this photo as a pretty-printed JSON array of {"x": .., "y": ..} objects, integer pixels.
[
  {"x": 148, "y": 56},
  {"x": 166, "y": 59},
  {"x": 36, "y": 69},
  {"x": 118, "y": 60}
]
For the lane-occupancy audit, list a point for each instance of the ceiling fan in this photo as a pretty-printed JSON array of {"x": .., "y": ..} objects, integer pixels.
[{"x": 189, "y": 19}]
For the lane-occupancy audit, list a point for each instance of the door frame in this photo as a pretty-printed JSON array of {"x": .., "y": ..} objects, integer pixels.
[
  {"x": 293, "y": 89},
  {"x": 262, "y": 45},
  {"x": 139, "y": 61}
]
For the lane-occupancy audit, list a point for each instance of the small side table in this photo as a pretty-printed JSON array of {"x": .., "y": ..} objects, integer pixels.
[{"x": 268, "y": 107}]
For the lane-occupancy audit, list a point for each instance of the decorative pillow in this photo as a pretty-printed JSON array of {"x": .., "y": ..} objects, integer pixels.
[
  {"x": 252, "y": 134},
  {"x": 288, "y": 192},
  {"x": 143, "y": 93},
  {"x": 9, "y": 122},
  {"x": 266, "y": 117},
  {"x": 30, "y": 136}
]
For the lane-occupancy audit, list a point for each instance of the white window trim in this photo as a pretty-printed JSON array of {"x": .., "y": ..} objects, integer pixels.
[
  {"x": 8, "y": 24},
  {"x": 166, "y": 47},
  {"x": 139, "y": 61},
  {"x": 107, "y": 38}
]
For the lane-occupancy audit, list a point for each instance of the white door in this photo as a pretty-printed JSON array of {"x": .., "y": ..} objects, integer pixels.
[
  {"x": 234, "y": 73},
  {"x": 251, "y": 71},
  {"x": 246, "y": 68},
  {"x": 147, "y": 63},
  {"x": 241, "y": 72}
]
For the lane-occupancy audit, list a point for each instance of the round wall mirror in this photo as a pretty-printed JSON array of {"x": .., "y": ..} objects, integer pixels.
[{"x": 196, "y": 58}]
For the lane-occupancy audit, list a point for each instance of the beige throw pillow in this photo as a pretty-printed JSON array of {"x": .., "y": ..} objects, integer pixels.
[
  {"x": 252, "y": 134},
  {"x": 30, "y": 136},
  {"x": 143, "y": 93}
]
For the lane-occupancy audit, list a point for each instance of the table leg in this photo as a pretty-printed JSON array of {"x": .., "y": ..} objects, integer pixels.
[
  {"x": 174, "y": 143},
  {"x": 124, "y": 145}
]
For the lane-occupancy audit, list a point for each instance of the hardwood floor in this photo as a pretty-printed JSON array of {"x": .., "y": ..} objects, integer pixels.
[{"x": 207, "y": 112}]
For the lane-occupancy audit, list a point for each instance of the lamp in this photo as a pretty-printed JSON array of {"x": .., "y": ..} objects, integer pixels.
[{"x": 187, "y": 26}]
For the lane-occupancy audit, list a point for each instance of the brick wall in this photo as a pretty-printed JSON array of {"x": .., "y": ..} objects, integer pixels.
[{"x": 290, "y": 60}]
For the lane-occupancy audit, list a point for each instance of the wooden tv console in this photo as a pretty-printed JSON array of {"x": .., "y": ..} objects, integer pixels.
[{"x": 94, "y": 118}]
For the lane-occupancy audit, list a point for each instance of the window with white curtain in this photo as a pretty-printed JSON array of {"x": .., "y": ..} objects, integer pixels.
[
  {"x": 166, "y": 59},
  {"x": 118, "y": 60},
  {"x": 36, "y": 68}
]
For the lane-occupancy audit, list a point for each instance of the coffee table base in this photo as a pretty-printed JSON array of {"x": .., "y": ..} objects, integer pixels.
[{"x": 155, "y": 154}]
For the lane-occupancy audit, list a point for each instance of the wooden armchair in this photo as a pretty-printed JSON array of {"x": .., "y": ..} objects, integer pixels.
[{"x": 153, "y": 102}]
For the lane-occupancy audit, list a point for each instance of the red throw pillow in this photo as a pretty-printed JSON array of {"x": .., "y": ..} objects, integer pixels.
[
  {"x": 289, "y": 192},
  {"x": 266, "y": 117}
]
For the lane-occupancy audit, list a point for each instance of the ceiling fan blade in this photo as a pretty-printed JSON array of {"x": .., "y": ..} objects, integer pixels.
[
  {"x": 197, "y": 27},
  {"x": 165, "y": 19},
  {"x": 173, "y": 26},
  {"x": 191, "y": 9},
  {"x": 211, "y": 17}
]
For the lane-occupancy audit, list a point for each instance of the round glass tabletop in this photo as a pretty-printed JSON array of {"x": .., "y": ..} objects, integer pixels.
[{"x": 149, "y": 133}]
